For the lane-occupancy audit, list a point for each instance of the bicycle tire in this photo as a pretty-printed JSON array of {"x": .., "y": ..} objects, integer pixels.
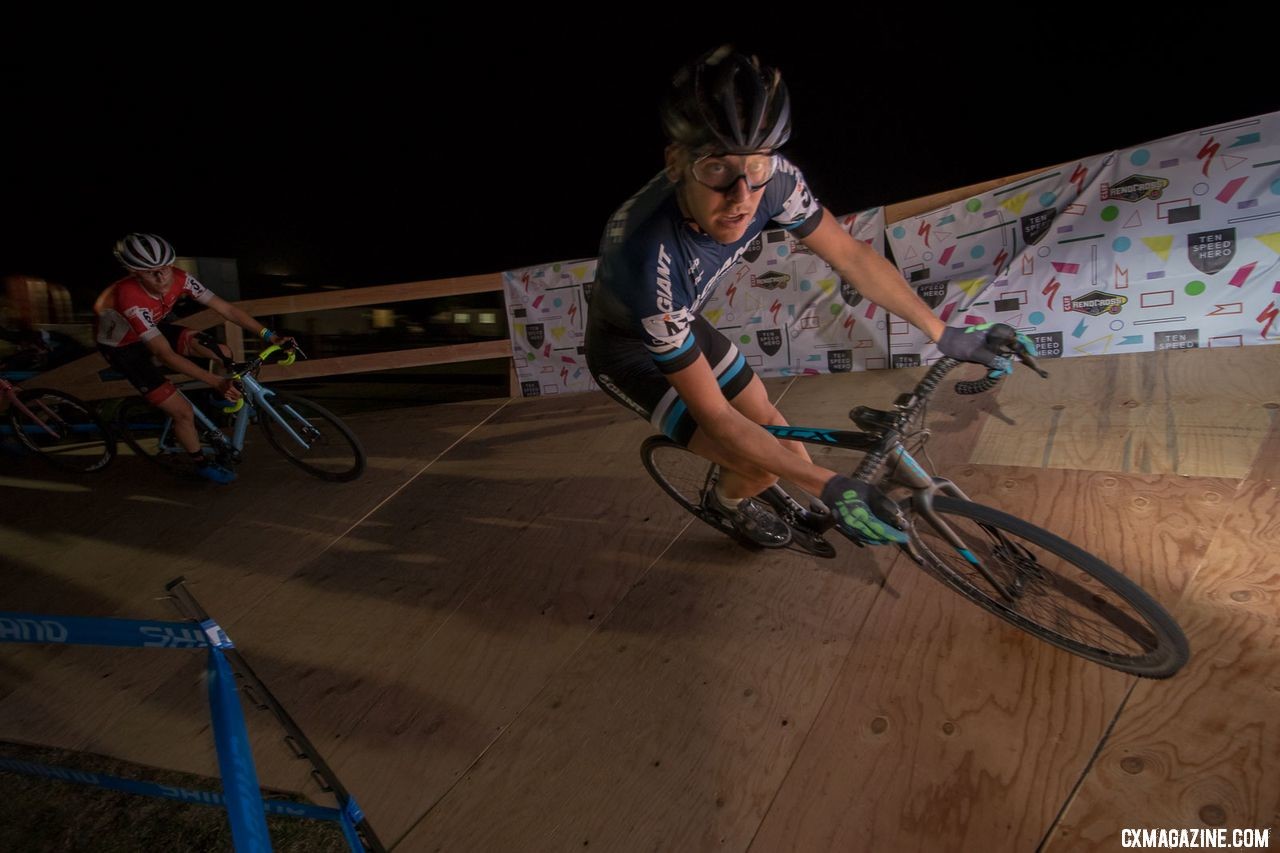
[
  {"x": 685, "y": 476},
  {"x": 79, "y": 440},
  {"x": 1082, "y": 613},
  {"x": 338, "y": 466}
]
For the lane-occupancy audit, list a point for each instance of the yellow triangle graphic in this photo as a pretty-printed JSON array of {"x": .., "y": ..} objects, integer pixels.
[
  {"x": 1016, "y": 203},
  {"x": 972, "y": 287},
  {"x": 713, "y": 314},
  {"x": 1105, "y": 340},
  {"x": 828, "y": 286},
  {"x": 1160, "y": 245},
  {"x": 1271, "y": 241},
  {"x": 558, "y": 332}
]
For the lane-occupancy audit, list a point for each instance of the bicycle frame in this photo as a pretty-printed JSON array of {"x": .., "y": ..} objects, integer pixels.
[
  {"x": 10, "y": 392},
  {"x": 256, "y": 397}
]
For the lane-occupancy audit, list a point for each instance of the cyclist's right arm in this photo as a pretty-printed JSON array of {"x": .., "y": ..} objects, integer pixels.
[{"x": 159, "y": 347}]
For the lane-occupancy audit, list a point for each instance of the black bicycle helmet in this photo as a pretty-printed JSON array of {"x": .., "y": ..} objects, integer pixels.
[{"x": 728, "y": 101}]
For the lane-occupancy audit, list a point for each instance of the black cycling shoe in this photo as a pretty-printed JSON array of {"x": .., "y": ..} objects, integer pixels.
[{"x": 752, "y": 520}]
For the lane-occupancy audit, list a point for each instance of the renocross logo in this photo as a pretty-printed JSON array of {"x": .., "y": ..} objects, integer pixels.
[
  {"x": 1217, "y": 837},
  {"x": 1135, "y": 188},
  {"x": 1094, "y": 302}
]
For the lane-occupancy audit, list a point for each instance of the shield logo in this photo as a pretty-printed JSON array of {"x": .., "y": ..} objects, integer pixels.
[
  {"x": 849, "y": 294},
  {"x": 770, "y": 340},
  {"x": 1036, "y": 225},
  {"x": 754, "y": 248},
  {"x": 839, "y": 360},
  {"x": 530, "y": 389},
  {"x": 933, "y": 293},
  {"x": 536, "y": 334},
  {"x": 587, "y": 287},
  {"x": 1211, "y": 251}
]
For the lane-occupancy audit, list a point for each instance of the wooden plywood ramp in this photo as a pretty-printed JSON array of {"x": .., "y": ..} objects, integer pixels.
[{"x": 507, "y": 638}]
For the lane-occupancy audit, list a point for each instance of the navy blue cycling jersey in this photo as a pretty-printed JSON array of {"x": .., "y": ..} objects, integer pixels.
[{"x": 655, "y": 271}]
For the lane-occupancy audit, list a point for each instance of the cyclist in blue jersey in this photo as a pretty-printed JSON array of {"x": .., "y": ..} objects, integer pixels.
[{"x": 663, "y": 251}]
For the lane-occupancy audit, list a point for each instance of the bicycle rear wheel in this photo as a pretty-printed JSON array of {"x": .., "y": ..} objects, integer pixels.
[
  {"x": 148, "y": 432},
  {"x": 62, "y": 429},
  {"x": 311, "y": 437},
  {"x": 686, "y": 477},
  {"x": 1047, "y": 587}
]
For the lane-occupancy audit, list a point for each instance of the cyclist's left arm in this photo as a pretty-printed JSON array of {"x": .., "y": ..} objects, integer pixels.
[
  {"x": 241, "y": 318},
  {"x": 873, "y": 275}
]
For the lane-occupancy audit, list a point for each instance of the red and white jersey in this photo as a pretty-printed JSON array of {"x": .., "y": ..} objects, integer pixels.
[{"x": 129, "y": 313}]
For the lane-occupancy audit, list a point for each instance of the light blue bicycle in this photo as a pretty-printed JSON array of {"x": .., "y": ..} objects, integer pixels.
[{"x": 309, "y": 436}]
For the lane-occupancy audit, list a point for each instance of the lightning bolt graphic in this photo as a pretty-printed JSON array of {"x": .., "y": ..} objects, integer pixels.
[
  {"x": 1051, "y": 290},
  {"x": 1078, "y": 176},
  {"x": 1207, "y": 154}
]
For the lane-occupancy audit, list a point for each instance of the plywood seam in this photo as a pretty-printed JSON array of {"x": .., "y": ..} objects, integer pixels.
[
  {"x": 250, "y": 608},
  {"x": 413, "y": 825},
  {"x": 826, "y": 699},
  {"x": 1088, "y": 767}
]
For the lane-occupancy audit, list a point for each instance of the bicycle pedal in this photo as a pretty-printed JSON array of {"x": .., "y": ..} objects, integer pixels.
[{"x": 812, "y": 543}]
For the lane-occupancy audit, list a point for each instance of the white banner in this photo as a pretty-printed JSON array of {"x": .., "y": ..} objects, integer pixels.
[{"x": 1169, "y": 245}]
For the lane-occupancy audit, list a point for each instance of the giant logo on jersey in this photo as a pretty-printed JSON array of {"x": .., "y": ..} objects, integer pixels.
[{"x": 1211, "y": 251}]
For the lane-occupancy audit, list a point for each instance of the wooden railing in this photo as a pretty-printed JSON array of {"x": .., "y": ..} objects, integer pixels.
[{"x": 82, "y": 378}]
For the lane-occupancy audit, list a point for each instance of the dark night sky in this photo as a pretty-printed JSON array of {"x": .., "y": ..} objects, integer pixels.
[{"x": 399, "y": 154}]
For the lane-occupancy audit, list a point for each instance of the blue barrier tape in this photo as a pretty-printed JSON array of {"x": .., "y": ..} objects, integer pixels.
[
  {"x": 168, "y": 792},
  {"x": 87, "y": 631},
  {"x": 235, "y": 761},
  {"x": 217, "y": 637}
]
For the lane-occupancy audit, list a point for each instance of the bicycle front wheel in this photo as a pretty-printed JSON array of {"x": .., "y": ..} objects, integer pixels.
[
  {"x": 311, "y": 437},
  {"x": 1046, "y": 586},
  {"x": 62, "y": 429}
]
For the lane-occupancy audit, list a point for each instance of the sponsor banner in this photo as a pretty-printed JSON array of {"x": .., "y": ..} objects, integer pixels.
[{"x": 1172, "y": 244}]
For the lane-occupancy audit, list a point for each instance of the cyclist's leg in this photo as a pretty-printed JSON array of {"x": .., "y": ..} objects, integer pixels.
[{"x": 137, "y": 366}]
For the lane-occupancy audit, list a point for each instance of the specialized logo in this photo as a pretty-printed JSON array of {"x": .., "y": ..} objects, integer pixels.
[
  {"x": 536, "y": 334},
  {"x": 770, "y": 280},
  {"x": 1211, "y": 251},
  {"x": 1135, "y": 188},
  {"x": 1095, "y": 302},
  {"x": 1036, "y": 225},
  {"x": 770, "y": 340}
]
